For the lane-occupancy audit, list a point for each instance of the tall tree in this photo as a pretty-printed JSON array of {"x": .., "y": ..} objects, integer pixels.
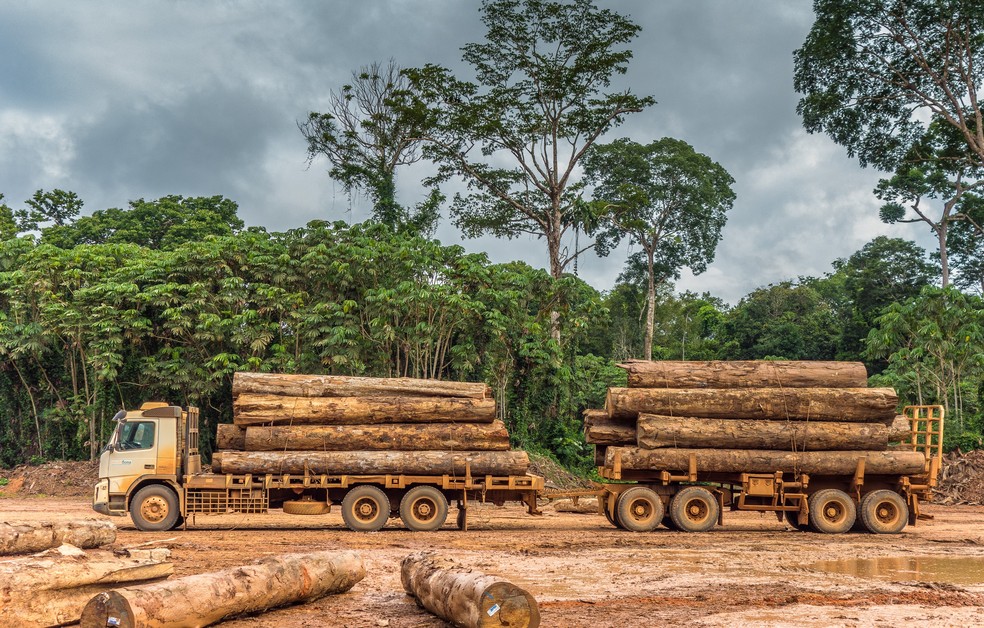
[
  {"x": 8, "y": 223},
  {"x": 670, "y": 200},
  {"x": 366, "y": 139},
  {"x": 56, "y": 207},
  {"x": 542, "y": 97},
  {"x": 873, "y": 71}
]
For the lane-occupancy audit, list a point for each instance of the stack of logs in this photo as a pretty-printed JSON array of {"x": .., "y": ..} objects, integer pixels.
[
  {"x": 751, "y": 417},
  {"x": 323, "y": 424}
]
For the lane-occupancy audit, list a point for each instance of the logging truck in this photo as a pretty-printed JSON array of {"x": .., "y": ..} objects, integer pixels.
[
  {"x": 825, "y": 491},
  {"x": 151, "y": 469}
]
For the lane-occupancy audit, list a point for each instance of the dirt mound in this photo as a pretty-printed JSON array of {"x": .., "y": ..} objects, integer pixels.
[
  {"x": 556, "y": 476},
  {"x": 54, "y": 479},
  {"x": 961, "y": 479}
]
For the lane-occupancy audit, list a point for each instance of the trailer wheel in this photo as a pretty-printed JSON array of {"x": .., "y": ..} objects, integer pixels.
[
  {"x": 668, "y": 522},
  {"x": 365, "y": 508},
  {"x": 424, "y": 508},
  {"x": 832, "y": 511},
  {"x": 884, "y": 512},
  {"x": 694, "y": 509},
  {"x": 792, "y": 518},
  {"x": 639, "y": 509},
  {"x": 155, "y": 509}
]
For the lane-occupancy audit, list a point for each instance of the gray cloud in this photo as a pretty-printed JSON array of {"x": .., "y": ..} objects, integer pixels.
[{"x": 122, "y": 101}]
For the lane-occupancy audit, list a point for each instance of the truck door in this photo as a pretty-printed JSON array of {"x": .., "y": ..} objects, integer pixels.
[{"x": 135, "y": 453}]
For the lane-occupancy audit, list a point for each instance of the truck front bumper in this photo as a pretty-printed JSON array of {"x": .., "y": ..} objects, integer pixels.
[{"x": 101, "y": 502}]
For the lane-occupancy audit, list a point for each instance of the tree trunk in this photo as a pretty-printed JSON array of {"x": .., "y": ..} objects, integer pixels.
[
  {"x": 599, "y": 429},
  {"x": 28, "y": 537},
  {"x": 655, "y": 431},
  {"x": 249, "y": 409},
  {"x": 745, "y": 374},
  {"x": 397, "y": 436},
  {"x": 204, "y": 599},
  {"x": 855, "y": 405},
  {"x": 341, "y": 386},
  {"x": 464, "y": 597},
  {"x": 372, "y": 462},
  {"x": 229, "y": 436},
  {"x": 761, "y": 461},
  {"x": 53, "y": 588},
  {"x": 650, "y": 305}
]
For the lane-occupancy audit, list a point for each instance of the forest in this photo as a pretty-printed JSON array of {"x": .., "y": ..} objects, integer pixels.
[{"x": 167, "y": 298}]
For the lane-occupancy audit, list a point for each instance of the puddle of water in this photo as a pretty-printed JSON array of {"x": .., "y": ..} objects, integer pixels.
[{"x": 950, "y": 569}]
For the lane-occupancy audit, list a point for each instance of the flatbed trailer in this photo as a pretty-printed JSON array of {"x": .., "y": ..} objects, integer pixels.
[
  {"x": 151, "y": 470},
  {"x": 694, "y": 501}
]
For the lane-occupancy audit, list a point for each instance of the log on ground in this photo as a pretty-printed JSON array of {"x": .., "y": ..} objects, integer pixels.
[
  {"x": 856, "y": 405},
  {"x": 229, "y": 436},
  {"x": 249, "y": 409},
  {"x": 837, "y": 463},
  {"x": 51, "y": 589},
  {"x": 656, "y": 431},
  {"x": 372, "y": 462},
  {"x": 28, "y": 537},
  {"x": 343, "y": 386},
  {"x": 204, "y": 599},
  {"x": 599, "y": 429},
  {"x": 465, "y": 597},
  {"x": 745, "y": 374},
  {"x": 397, "y": 436}
]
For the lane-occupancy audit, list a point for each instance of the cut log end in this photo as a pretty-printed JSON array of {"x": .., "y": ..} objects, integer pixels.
[
  {"x": 109, "y": 608},
  {"x": 506, "y": 605}
]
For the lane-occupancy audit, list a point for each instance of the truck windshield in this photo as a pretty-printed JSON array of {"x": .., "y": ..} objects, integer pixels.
[{"x": 136, "y": 435}]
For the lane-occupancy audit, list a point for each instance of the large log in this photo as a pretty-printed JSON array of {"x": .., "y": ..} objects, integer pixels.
[
  {"x": 855, "y": 405},
  {"x": 28, "y": 537},
  {"x": 397, "y": 436},
  {"x": 655, "y": 431},
  {"x": 745, "y": 374},
  {"x": 249, "y": 409},
  {"x": 466, "y": 598},
  {"x": 372, "y": 462},
  {"x": 204, "y": 599},
  {"x": 51, "y": 589},
  {"x": 836, "y": 463},
  {"x": 229, "y": 436},
  {"x": 599, "y": 429},
  {"x": 343, "y": 386}
]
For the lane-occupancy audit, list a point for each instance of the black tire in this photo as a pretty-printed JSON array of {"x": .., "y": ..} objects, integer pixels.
[
  {"x": 612, "y": 519},
  {"x": 832, "y": 511},
  {"x": 155, "y": 508},
  {"x": 884, "y": 512},
  {"x": 639, "y": 509},
  {"x": 424, "y": 508},
  {"x": 365, "y": 508},
  {"x": 694, "y": 509},
  {"x": 792, "y": 518},
  {"x": 668, "y": 523},
  {"x": 461, "y": 520}
]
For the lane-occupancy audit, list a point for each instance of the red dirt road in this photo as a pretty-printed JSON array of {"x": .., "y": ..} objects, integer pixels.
[{"x": 586, "y": 573}]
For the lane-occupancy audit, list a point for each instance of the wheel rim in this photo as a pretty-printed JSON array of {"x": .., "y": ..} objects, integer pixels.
[
  {"x": 887, "y": 513},
  {"x": 423, "y": 510},
  {"x": 365, "y": 509},
  {"x": 697, "y": 510},
  {"x": 641, "y": 510},
  {"x": 834, "y": 512},
  {"x": 154, "y": 509}
]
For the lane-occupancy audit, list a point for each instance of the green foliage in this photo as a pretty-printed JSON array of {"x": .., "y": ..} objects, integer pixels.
[{"x": 542, "y": 97}]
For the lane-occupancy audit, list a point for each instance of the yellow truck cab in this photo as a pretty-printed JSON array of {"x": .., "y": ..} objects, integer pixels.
[{"x": 140, "y": 467}]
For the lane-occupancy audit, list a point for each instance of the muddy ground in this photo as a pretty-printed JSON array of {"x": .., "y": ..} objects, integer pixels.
[{"x": 583, "y": 572}]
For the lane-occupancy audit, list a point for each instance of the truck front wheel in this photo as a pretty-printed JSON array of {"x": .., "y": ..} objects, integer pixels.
[{"x": 155, "y": 509}]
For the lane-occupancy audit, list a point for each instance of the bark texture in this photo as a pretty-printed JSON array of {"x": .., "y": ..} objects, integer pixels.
[
  {"x": 53, "y": 588},
  {"x": 656, "y": 431},
  {"x": 229, "y": 436},
  {"x": 398, "y": 436},
  {"x": 28, "y": 537},
  {"x": 342, "y": 386},
  {"x": 251, "y": 409},
  {"x": 859, "y": 405},
  {"x": 745, "y": 374},
  {"x": 204, "y": 599},
  {"x": 372, "y": 462},
  {"x": 466, "y": 598},
  {"x": 762, "y": 461}
]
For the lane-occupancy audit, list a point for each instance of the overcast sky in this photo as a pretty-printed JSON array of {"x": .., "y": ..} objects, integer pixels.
[{"x": 119, "y": 101}]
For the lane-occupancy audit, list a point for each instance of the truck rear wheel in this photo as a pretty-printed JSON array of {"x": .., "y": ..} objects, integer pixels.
[
  {"x": 832, "y": 511},
  {"x": 365, "y": 508},
  {"x": 884, "y": 512},
  {"x": 639, "y": 509},
  {"x": 155, "y": 508},
  {"x": 424, "y": 508},
  {"x": 694, "y": 509}
]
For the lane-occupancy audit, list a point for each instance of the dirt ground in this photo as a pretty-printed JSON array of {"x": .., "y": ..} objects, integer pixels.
[{"x": 583, "y": 572}]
